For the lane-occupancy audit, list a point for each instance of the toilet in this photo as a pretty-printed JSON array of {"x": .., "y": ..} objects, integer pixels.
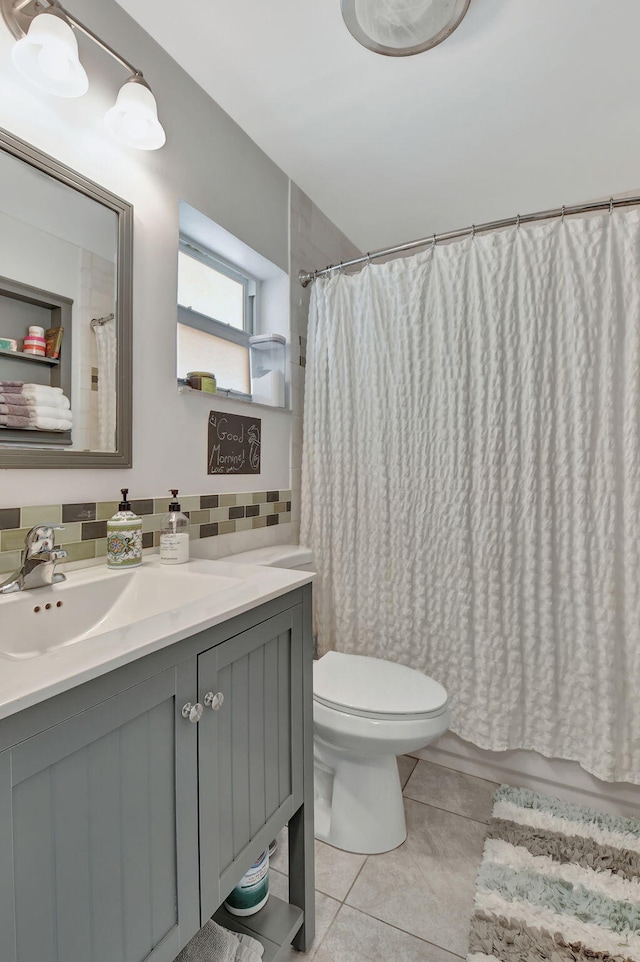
[{"x": 366, "y": 711}]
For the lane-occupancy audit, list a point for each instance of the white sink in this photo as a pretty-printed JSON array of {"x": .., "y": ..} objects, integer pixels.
[{"x": 95, "y": 601}]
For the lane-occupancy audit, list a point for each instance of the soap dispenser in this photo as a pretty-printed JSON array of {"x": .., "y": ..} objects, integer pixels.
[
  {"x": 124, "y": 536},
  {"x": 174, "y": 534}
]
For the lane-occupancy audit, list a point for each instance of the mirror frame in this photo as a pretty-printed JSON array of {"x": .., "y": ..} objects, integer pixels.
[{"x": 20, "y": 457}]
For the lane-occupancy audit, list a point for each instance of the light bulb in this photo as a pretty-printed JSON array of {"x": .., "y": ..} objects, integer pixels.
[{"x": 54, "y": 62}]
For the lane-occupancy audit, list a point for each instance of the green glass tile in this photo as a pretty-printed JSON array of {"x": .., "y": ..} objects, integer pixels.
[
  {"x": 245, "y": 497},
  {"x": 71, "y": 532},
  {"x": 219, "y": 514},
  {"x": 41, "y": 514},
  {"x": 244, "y": 524},
  {"x": 285, "y": 518},
  {"x": 161, "y": 505},
  {"x": 266, "y": 507},
  {"x": 199, "y": 517},
  {"x": 259, "y": 522},
  {"x": 151, "y": 522},
  {"x": 190, "y": 503},
  {"x": 259, "y": 497},
  {"x": 226, "y": 527},
  {"x": 194, "y": 532},
  {"x": 106, "y": 510},
  {"x": 9, "y": 562},
  {"x": 101, "y": 547},
  {"x": 80, "y": 550},
  {"x": 13, "y": 539},
  {"x": 280, "y": 507},
  {"x": 227, "y": 500},
  {"x": 285, "y": 495}
]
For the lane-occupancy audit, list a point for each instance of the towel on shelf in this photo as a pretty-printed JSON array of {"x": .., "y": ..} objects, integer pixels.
[
  {"x": 215, "y": 944},
  {"x": 13, "y": 399},
  {"x": 14, "y": 421},
  {"x": 44, "y": 411},
  {"x": 8, "y": 387},
  {"x": 34, "y": 389},
  {"x": 16, "y": 409},
  {"x": 49, "y": 396},
  {"x": 46, "y": 424},
  {"x": 4, "y": 384}
]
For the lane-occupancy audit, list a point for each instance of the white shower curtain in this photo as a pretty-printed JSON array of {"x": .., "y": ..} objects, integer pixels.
[
  {"x": 470, "y": 480},
  {"x": 106, "y": 343}
]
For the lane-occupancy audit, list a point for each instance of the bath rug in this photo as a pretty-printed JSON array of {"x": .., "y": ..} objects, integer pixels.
[{"x": 558, "y": 882}]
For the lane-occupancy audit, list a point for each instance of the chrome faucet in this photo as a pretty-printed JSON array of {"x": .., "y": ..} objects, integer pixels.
[{"x": 39, "y": 560}]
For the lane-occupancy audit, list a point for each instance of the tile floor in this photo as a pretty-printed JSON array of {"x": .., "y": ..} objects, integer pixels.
[{"x": 413, "y": 904}]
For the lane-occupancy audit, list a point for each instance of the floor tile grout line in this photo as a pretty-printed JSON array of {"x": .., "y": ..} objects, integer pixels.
[
  {"x": 398, "y": 929},
  {"x": 358, "y": 873},
  {"x": 438, "y": 808}
]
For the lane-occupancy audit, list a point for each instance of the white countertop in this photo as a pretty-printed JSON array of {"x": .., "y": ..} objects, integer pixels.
[{"x": 27, "y": 680}]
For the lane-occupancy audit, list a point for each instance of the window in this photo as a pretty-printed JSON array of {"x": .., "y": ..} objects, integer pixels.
[{"x": 216, "y": 316}]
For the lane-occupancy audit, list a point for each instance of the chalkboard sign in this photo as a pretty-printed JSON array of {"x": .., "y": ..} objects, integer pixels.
[{"x": 233, "y": 444}]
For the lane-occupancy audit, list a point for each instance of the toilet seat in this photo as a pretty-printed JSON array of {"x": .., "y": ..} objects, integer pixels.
[{"x": 375, "y": 688}]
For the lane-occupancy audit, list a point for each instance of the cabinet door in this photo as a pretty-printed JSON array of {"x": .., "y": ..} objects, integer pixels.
[
  {"x": 250, "y": 750},
  {"x": 90, "y": 811}
]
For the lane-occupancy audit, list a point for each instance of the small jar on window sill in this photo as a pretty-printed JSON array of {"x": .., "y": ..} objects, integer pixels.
[{"x": 202, "y": 381}]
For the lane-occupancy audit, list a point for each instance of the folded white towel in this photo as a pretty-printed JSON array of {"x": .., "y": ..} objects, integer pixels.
[
  {"x": 40, "y": 388},
  {"x": 48, "y": 400},
  {"x": 51, "y": 424},
  {"x": 44, "y": 411}
]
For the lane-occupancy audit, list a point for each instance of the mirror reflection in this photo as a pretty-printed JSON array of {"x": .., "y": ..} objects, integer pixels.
[{"x": 59, "y": 323}]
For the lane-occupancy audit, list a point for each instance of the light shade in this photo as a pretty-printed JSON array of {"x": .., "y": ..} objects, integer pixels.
[
  {"x": 398, "y": 28},
  {"x": 133, "y": 119},
  {"x": 48, "y": 57}
]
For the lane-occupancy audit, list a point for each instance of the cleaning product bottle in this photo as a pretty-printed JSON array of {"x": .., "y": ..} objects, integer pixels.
[
  {"x": 124, "y": 536},
  {"x": 252, "y": 891},
  {"x": 174, "y": 535}
]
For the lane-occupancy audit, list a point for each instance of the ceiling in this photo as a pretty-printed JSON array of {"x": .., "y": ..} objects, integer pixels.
[{"x": 530, "y": 104}]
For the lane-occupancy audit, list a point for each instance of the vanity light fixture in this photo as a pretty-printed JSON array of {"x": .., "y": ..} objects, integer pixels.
[
  {"x": 46, "y": 53},
  {"x": 400, "y": 28}
]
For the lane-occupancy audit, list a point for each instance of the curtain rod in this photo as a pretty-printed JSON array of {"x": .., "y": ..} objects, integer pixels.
[{"x": 305, "y": 277}]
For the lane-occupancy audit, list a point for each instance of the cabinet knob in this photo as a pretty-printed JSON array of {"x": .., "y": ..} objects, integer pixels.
[
  {"x": 214, "y": 702},
  {"x": 192, "y": 712}
]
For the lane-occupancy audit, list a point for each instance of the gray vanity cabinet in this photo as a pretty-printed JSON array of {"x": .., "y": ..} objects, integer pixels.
[
  {"x": 124, "y": 825},
  {"x": 249, "y": 749},
  {"x": 91, "y": 843}
]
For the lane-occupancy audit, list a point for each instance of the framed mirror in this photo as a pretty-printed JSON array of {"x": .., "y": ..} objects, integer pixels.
[{"x": 66, "y": 259}]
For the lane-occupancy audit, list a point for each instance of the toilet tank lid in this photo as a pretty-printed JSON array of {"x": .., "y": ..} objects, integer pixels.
[
  {"x": 275, "y": 556},
  {"x": 375, "y": 686}
]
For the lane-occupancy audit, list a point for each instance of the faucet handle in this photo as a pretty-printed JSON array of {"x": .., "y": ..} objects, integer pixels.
[{"x": 40, "y": 538}]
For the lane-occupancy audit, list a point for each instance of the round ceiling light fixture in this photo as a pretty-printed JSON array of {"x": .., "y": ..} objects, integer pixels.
[{"x": 400, "y": 28}]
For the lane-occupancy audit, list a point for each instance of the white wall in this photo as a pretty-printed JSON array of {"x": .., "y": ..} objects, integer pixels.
[{"x": 208, "y": 162}]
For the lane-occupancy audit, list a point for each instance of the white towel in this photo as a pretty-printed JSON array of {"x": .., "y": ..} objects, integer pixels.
[
  {"x": 44, "y": 411},
  {"x": 50, "y": 424},
  {"x": 40, "y": 388},
  {"x": 215, "y": 944},
  {"x": 48, "y": 399}
]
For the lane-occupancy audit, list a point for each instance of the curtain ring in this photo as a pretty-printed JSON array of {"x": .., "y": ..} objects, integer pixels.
[
  {"x": 368, "y": 259},
  {"x": 473, "y": 231},
  {"x": 611, "y": 205},
  {"x": 562, "y": 214},
  {"x": 518, "y": 222},
  {"x": 433, "y": 242}
]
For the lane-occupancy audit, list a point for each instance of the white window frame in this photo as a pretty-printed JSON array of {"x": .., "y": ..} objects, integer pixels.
[{"x": 210, "y": 324}]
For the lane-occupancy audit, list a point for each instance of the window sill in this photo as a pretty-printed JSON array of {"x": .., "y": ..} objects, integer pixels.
[{"x": 223, "y": 396}]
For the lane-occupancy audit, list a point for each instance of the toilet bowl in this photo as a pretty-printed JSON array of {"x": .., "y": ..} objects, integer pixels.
[{"x": 366, "y": 711}]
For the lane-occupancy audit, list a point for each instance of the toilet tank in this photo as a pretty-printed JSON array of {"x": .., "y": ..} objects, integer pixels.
[{"x": 277, "y": 556}]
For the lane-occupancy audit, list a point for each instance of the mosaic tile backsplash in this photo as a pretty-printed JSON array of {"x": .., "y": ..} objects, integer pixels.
[{"x": 85, "y": 524}]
